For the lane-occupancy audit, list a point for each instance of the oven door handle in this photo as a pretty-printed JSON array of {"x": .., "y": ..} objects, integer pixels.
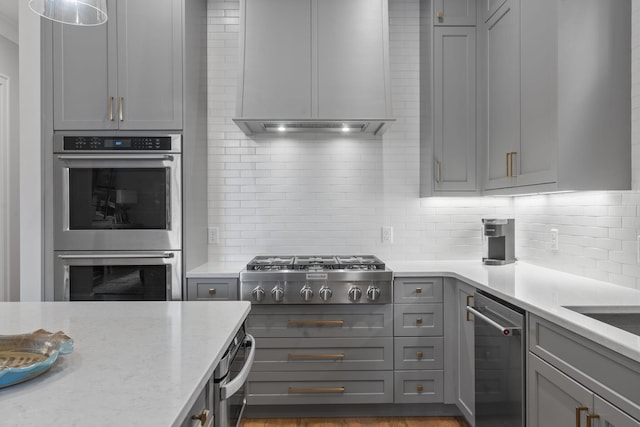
[
  {"x": 506, "y": 330},
  {"x": 118, "y": 157},
  {"x": 229, "y": 389},
  {"x": 117, "y": 256}
]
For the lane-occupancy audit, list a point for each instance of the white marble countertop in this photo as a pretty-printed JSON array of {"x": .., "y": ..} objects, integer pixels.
[
  {"x": 133, "y": 363},
  {"x": 544, "y": 292},
  {"x": 214, "y": 270}
]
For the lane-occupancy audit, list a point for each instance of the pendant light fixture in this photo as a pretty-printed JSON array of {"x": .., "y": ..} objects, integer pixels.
[{"x": 74, "y": 12}]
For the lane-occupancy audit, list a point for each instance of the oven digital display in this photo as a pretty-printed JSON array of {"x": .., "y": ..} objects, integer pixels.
[{"x": 117, "y": 143}]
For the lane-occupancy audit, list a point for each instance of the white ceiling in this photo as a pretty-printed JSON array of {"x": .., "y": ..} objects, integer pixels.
[{"x": 9, "y": 8}]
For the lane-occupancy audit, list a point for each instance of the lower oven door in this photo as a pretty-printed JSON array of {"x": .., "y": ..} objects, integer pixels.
[
  {"x": 118, "y": 276},
  {"x": 229, "y": 391}
]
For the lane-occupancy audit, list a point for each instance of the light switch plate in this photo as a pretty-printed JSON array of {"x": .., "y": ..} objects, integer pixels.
[{"x": 213, "y": 235}]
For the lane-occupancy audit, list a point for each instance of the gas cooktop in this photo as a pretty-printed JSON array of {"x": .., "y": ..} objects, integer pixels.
[{"x": 318, "y": 279}]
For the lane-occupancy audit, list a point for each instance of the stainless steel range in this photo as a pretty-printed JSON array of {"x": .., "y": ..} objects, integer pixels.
[{"x": 350, "y": 279}]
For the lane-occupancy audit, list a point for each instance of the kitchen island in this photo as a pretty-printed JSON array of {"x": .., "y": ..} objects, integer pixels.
[{"x": 133, "y": 363}]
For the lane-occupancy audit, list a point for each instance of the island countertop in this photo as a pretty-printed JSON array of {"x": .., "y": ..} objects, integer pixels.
[{"x": 133, "y": 363}]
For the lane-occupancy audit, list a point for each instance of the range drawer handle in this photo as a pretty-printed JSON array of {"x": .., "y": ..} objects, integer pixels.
[
  {"x": 315, "y": 356},
  {"x": 316, "y": 390},
  {"x": 315, "y": 322}
]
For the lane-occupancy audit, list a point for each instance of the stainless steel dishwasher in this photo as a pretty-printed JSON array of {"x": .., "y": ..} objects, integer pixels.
[{"x": 499, "y": 362}]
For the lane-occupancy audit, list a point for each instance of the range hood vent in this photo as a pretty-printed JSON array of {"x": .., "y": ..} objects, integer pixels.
[{"x": 328, "y": 77}]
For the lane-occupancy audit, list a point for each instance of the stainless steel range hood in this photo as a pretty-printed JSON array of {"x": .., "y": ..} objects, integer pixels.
[{"x": 328, "y": 77}]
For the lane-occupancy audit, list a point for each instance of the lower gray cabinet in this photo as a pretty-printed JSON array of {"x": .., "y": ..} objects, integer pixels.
[
  {"x": 418, "y": 353},
  {"x": 212, "y": 289},
  {"x": 319, "y": 387},
  {"x": 418, "y": 386}
]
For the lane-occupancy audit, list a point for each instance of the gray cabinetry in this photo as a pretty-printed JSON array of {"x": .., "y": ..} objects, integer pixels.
[
  {"x": 454, "y": 12},
  {"x": 554, "y": 95},
  {"x": 418, "y": 340},
  {"x": 569, "y": 374},
  {"x": 321, "y": 354},
  {"x": 106, "y": 78},
  {"x": 330, "y": 57},
  {"x": 212, "y": 289},
  {"x": 454, "y": 73},
  {"x": 463, "y": 349}
]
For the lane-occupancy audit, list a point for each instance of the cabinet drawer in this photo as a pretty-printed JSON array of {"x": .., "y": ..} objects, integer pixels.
[
  {"x": 212, "y": 289},
  {"x": 418, "y": 353},
  {"x": 602, "y": 370},
  {"x": 334, "y": 321},
  {"x": 417, "y": 289},
  {"x": 323, "y": 354},
  {"x": 412, "y": 320},
  {"x": 418, "y": 386},
  {"x": 323, "y": 387}
]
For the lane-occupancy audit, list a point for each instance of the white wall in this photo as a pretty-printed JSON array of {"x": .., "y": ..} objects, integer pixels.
[
  {"x": 9, "y": 276},
  {"x": 329, "y": 195}
]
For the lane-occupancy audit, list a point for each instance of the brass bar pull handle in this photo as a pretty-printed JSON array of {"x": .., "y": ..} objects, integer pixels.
[
  {"x": 440, "y": 16},
  {"x": 315, "y": 356},
  {"x": 508, "y": 161},
  {"x": 212, "y": 291},
  {"x": 438, "y": 171},
  {"x": 579, "y": 411},
  {"x": 469, "y": 298},
  {"x": 111, "y": 108},
  {"x": 120, "y": 111},
  {"x": 419, "y": 355},
  {"x": 419, "y": 389},
  {"x": 315, "y": 322},
  {"x": 591, "y": 417},
  {"x": 419, "y": 321},
  {"x": 418, "y": 290},
  {"x": 513, "y": 154},
  {"x": 316, "y": 390}
]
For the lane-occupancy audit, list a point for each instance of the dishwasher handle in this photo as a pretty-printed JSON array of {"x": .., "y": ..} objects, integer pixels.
[
  {"x": 229, "y": 389},
  {"x": 507, "y": 331}
]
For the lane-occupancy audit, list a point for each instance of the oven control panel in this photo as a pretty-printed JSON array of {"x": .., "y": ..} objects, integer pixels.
[{"x": 111, "y": 143}]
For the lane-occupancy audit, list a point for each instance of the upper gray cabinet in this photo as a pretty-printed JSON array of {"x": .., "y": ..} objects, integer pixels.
[
  {"x": 126, "y": 74},
  {"x": 454, "y": 12},
  {"x": 554, "y": 98},
  {"x": 321, "y": 61}
]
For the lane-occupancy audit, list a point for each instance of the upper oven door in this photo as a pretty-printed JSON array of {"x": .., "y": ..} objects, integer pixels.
[{"x": 117, "y": 201}]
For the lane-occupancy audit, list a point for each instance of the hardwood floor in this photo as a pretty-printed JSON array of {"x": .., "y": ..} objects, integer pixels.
[{"x": 356, "y": 422}]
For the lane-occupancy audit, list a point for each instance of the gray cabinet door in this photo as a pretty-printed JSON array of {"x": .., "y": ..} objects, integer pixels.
[
  {"x": 150, "y": 64},
  {"x": 454, "y": 64},
  {"x": 350, "y": 34},
  {"x": 418, "y": 353},
  {"x": 84, "y": 76},
  {"x": 417, "y": 289},
  {"x": 454, "y": 12},
  {"x": 418, "y": 387},
  {"x": 212, "y": 289},
  {"x": 281, "y": 55},
  {"x": 499, "y": 94},
  {"x": 464, "y": 353},
  {"x": 415, "y": 320},
  {"x": 610, "y": 416},
  {"x": 553, "y": 397}
]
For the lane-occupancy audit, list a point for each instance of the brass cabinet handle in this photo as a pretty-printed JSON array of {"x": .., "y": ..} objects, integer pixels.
[
  {"x": 419, "y": 321},
  {"x": 579, "y": 410},
  {"x": 315, "y": 322},
  {"x": 440, "y": 16},
  {"x": 317, "y": 390},
  {"x": 202, "y": 417},
  {"x": 513, "y": 154},
  {"x": 418, "y": 290},
  {"x": 419, "y": 389},
  {"x": 469, "y": 298},
  {"x": 419, "y": 355},
  {"x": 591, "y": 417},
  {"x": 212, "y": 291},
  {"x": 438, "y": 171},
  {"x": 507, "y": 165},
  {"x": 111, "y": 108},
  {"x": 120, "y": 112},
  {"x": 316, "y": 356}
]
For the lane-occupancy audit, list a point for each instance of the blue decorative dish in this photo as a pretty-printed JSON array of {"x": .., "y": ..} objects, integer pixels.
[{"x": 26, "y": 356}]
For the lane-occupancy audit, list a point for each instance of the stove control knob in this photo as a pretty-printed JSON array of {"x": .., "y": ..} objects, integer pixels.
[
  {"x": 325, "y": 293},
  {"x": 306, "y": 293},
  {"x": 258, "y": 294},
  {"x": 354, "y": 293},
  {"x": 277, "y": 294},
  {"x": 373, "y": 293}
]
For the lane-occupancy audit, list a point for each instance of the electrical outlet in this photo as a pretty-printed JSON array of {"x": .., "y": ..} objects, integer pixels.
[
  {"x": 213, "y": 235},
  {"x": 387, "y": 235},
  {"x": 554, "y": 239}
]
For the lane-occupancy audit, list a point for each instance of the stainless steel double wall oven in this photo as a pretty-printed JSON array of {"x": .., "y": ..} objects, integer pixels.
[{"x": 117, "y": 217}]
